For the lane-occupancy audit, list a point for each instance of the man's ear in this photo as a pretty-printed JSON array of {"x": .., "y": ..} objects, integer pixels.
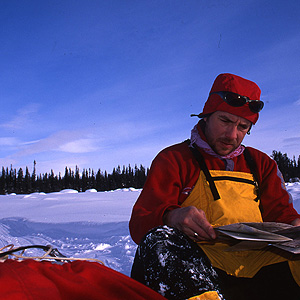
[{"x": 248, "y": 132}]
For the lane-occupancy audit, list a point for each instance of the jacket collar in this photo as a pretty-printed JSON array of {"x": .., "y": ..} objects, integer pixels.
[{"x": 198, "y": 138}]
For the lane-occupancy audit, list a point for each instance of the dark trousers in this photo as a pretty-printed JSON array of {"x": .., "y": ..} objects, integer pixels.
[{"x": 173, "y": 265}]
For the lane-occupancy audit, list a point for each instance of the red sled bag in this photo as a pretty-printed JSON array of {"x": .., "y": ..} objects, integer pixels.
[{"x": 36, "y": 280}]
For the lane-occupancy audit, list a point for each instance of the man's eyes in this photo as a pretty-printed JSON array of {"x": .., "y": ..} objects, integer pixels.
[
  {"x": 226, "y": 121},
  {"x": 244, "y": 127},
  {"x": 241, "y": 126}
]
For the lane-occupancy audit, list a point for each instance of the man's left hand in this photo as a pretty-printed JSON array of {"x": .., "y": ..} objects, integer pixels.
[{"x": 296, "y": 222}]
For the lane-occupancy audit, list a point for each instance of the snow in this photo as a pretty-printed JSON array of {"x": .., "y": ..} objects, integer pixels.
[{"x": 90, "y": 225}]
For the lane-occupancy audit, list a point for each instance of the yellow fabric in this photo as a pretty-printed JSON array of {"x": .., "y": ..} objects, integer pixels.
[
  {"x": 236, "y": 205},
  {"x": 295, "y": 269},
  {"x": 207, "y": 296}
]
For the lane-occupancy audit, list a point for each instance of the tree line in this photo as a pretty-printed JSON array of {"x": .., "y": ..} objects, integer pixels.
[
  {"x": 290, "y": 168},
  {"x": 20, "y": 182}
]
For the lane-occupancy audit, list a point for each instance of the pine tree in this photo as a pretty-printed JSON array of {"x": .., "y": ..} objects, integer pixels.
[
  {"x": 33, "y": 177},
  {"x": 20, "y": 182}
]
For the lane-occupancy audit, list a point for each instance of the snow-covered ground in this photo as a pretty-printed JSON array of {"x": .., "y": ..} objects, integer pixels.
[{"x": 90, "y": 224}]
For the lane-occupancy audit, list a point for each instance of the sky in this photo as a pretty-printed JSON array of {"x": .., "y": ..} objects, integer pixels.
[{"x": 99, "y": 84}]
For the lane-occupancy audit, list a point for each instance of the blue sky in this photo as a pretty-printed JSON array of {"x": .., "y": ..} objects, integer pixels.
[{"x": 99, "y": 84}]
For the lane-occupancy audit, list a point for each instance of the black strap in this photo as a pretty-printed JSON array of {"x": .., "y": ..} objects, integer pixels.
[
  {"x": 252, "y": 166},
  {"x": 210, "y": 179},
  {"x": 206, "y": 172}
]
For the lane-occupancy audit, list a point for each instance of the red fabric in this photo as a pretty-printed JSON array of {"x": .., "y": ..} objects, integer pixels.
[
  {"x": 175, "y": 171},
  {"x": 77, "y": 280},
  {"x": 232, "y": 83},
  {"x": 236, "y": 84}
]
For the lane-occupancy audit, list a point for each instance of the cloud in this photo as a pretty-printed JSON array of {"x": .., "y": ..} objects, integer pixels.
[
  {"x": 292, "y": 145},
  {"x": 79, "y": 146},
  {"x": 22, "y": 117},
  {"x": 8, "y": 141},
  {"x": 105, "y": 146},
  {"x": 292, "y": 140},
  {"x": 63, "y": 141}
]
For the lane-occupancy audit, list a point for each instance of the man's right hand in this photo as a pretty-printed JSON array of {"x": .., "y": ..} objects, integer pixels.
[{"x": 190, "y": 220}]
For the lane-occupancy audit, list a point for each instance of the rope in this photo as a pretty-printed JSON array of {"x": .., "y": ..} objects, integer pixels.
[{"x": 50, "y": 254}]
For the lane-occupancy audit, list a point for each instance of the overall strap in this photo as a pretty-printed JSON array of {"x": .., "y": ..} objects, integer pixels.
[
  {"x": 206, "y": 172},
  {"x": 252, "y": 166},
  {"x": 203, "y": 166}
]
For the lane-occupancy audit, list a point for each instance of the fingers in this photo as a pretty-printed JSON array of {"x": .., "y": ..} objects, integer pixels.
[
  {"x": 197, "y": 234},
  {"x": 296, "y": 222},
  {"x": 201, "y": 226},
  {"x": 192, "y": 222}
]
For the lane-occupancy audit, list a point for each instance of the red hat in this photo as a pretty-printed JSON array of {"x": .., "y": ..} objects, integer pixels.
[{"x": 232, "y": 83}]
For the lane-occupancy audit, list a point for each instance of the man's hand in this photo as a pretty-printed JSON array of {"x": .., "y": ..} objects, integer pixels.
[
  {"x": 296, "y": 222},
  {"x": 190, "y": 220}
]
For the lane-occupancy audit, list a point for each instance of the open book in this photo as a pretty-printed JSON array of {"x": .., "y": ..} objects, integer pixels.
[{"x": 252, "y": 236}]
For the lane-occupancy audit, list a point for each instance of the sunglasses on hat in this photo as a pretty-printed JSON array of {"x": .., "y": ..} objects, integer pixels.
[{"x": 237, "y": 100}]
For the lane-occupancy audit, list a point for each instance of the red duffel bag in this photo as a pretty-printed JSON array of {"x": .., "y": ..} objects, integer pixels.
[{"x": 36, "y": 280}]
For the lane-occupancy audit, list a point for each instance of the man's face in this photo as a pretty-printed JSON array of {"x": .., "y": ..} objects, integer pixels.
[{"x": 225, "y": 132}]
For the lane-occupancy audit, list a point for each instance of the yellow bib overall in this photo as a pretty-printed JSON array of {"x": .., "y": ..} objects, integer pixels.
[{"x": 238, "y": 203}]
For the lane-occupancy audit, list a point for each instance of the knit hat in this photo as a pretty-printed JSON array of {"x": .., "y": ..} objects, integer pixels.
[{"x": 232, "y": 83}]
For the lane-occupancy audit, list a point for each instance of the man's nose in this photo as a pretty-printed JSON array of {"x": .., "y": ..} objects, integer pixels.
[{"x": 231, "y": 132}]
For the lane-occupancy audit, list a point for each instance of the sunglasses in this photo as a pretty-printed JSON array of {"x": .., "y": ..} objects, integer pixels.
[{"x": 237, "y": 100}]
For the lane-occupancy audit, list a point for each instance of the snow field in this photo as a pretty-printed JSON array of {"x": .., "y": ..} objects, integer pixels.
[{"x": 90, "y": 225}]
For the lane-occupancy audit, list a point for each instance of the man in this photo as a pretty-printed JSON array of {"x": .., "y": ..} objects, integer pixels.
[{"x": 212, "y": 180}]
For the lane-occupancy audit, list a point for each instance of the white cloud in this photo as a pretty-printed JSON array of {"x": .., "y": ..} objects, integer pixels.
[
  {"x": 8, "y": 141},
  {"x": 79, "y": 146},
  {"x": 66, "y": 141},
  {"x": 22, "y": 117},
  {"x": 118, "y": 142}
]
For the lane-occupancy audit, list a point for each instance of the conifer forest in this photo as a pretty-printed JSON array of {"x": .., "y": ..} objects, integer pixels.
[
  {"x": 24, "y": 182},
  {"x": 20, "y": 182}
]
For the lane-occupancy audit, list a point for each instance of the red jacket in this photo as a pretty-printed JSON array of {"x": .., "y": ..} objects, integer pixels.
[{"x": 174, "y": 172}]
